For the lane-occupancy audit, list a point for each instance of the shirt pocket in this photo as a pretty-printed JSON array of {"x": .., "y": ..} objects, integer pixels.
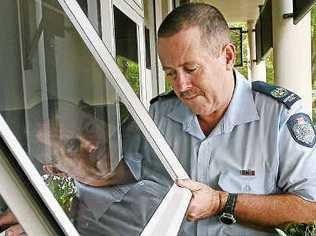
[{"x": 233, "y": 182}]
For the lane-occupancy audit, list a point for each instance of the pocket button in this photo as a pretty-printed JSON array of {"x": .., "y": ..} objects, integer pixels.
[{"x": 247, "y": 188}]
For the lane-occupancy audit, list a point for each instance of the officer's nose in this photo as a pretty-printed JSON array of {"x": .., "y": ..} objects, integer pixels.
[
  {"x": 182, "y": 82},
  {"x": 88, "y": 145}
]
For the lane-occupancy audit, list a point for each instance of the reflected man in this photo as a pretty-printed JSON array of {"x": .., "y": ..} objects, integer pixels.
[{"x": 72, "y": 142}]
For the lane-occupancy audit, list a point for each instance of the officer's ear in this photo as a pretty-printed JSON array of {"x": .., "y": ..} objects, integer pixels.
[{"x": 229, "y": 51}]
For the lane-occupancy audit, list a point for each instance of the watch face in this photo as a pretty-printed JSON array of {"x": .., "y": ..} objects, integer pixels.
[{"x": 227, "y": 218}]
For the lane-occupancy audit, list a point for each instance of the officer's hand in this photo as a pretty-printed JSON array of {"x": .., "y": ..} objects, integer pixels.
[
  {"x": 205, "y": 201},
  {"x": 15, "y": 230}
]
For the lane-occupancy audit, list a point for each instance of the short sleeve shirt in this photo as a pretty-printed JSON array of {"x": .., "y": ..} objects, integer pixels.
[{"x": 251, "y": 150}]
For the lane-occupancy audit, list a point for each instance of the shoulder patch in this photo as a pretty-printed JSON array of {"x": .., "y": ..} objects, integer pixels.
[
  {"x": 282, "y": 95},
  {"x": 302, "y": 129},
  {"x": 163, "y": 95}
]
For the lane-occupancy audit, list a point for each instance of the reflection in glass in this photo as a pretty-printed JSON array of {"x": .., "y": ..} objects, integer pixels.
[{"x": 64, "y": 112}]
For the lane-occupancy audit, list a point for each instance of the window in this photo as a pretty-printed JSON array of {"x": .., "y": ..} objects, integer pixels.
[
  {"x": 126, "y": 48},
  {"x": 59, "y": 97}
]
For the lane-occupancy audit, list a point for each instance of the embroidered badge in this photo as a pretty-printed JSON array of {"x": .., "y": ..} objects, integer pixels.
[
  {"x": 302, "y": 129},
  {"x": 279, "y": 92}
]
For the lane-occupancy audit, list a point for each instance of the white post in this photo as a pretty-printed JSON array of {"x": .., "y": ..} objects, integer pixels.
[
  {"x": 257, "y": 70},
  {"x": 292, "y": 52}
]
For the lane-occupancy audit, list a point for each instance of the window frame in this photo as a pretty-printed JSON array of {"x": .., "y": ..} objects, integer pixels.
[
  {"x": 138, "y": 18},
  {"x": 20, "y": 199}
]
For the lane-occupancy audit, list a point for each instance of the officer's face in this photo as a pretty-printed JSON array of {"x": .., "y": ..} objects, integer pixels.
[
  {"x": 79, "y": 151},
  {"x": 198, "y": 78}
]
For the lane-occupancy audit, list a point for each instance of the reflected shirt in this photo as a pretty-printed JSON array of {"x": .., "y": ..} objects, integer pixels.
[
  {"x": 251, "y": 150},
  {"x": 117, "y": 210}
]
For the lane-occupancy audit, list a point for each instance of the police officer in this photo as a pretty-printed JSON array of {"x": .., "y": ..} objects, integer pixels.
[{"x": 249, "y": 148}]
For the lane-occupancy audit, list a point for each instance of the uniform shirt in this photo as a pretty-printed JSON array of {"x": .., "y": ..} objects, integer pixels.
[{"x": 251, "y": 150}]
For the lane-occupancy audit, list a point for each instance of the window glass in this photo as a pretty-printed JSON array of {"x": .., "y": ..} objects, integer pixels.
[
  {"x": 126, "y": 48},
  {"x": 65, "y": 114}
]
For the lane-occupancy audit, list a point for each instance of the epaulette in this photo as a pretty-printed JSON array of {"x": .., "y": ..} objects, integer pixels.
[
  {"x": 163, "y": 95},
  {"x": 282, "y": 95}
]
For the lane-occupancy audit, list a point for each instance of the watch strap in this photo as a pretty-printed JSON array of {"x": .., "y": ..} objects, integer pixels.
[{"x": 230, "y": 203}]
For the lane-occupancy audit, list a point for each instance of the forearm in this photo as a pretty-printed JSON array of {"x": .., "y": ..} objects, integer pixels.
[{"x": 274, "y": 210}]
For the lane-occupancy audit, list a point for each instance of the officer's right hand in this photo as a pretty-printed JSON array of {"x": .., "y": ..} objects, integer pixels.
[
  {"x": 9, "y": 222},
  {"x": 205, "y": 202},
  {"x": 7, "y": 218},
  {"x": 15, "y": 230}
]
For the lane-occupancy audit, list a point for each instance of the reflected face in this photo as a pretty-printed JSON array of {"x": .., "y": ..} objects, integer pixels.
[
  {"x": 81, "y": 151},
  {"x": 198, "y": 78}
]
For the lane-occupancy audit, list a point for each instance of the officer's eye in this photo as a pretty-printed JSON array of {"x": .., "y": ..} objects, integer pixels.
[
  {"x": 72, "y": 146},
  {"x": 191, "y": 68}
]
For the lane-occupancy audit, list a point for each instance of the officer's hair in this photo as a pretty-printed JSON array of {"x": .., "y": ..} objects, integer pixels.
[{"x": 213, "y": 26}]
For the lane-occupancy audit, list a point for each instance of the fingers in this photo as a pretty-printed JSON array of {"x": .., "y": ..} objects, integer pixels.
[
  {"x": 50, "y": 169},
  {"x": 204, "y": 202},
  {"x": 189, "y": 184},
  {"x": 8, "y": 218},
  {"x": 15, "y": 230}
]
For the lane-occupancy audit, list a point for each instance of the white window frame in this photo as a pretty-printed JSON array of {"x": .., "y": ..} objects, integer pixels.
[
  {"x": 177, "y": 199},
  {"x": 136, "y": 5},
  {"x": 139, "y": 3},
  {"x": 138, "y": 112},
  {"x": 150, "y": 23},
  {"x": 138, "y": 19},
  {"x": 17, "y": 196}
]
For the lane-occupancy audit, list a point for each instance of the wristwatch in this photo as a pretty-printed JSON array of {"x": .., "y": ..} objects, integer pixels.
[{"x": 227, "y": 216}]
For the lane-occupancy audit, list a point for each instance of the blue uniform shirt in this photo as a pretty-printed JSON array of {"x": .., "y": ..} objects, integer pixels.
[{"x": 253, "y": 149}]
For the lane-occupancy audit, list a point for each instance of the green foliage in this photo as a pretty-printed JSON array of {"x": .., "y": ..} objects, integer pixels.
[
  {"x": 269, "y": 69},
  {"x": 168, "y": 85},
  {"x": 243, "y": 50},
  {"x": 298, "y": 230},
  {"x": 237, "y": 38},
  {"x": 130, "y": 70},
  {"x": 63, "y": 189}
]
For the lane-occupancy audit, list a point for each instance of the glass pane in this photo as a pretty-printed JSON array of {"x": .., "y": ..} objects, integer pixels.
[
  {"x": 8, "y": 222},
  {"x": 66, "y": 115},
  {"x": 126, "y": 48}
]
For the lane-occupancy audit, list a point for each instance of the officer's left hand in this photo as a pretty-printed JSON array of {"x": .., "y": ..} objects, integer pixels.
[{"x": 205, "y": 201}]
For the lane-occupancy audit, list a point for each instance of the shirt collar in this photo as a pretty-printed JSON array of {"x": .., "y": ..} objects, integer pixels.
[
  {"x": 235, "y": 115},
  {"x": 242, "y": 108},
  {"x": 99, "y": 199},
  {"x": 182, "y": 114}
]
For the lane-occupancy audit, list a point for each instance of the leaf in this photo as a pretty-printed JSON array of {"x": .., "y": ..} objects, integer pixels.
[{"x": 280, "y": 232}]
